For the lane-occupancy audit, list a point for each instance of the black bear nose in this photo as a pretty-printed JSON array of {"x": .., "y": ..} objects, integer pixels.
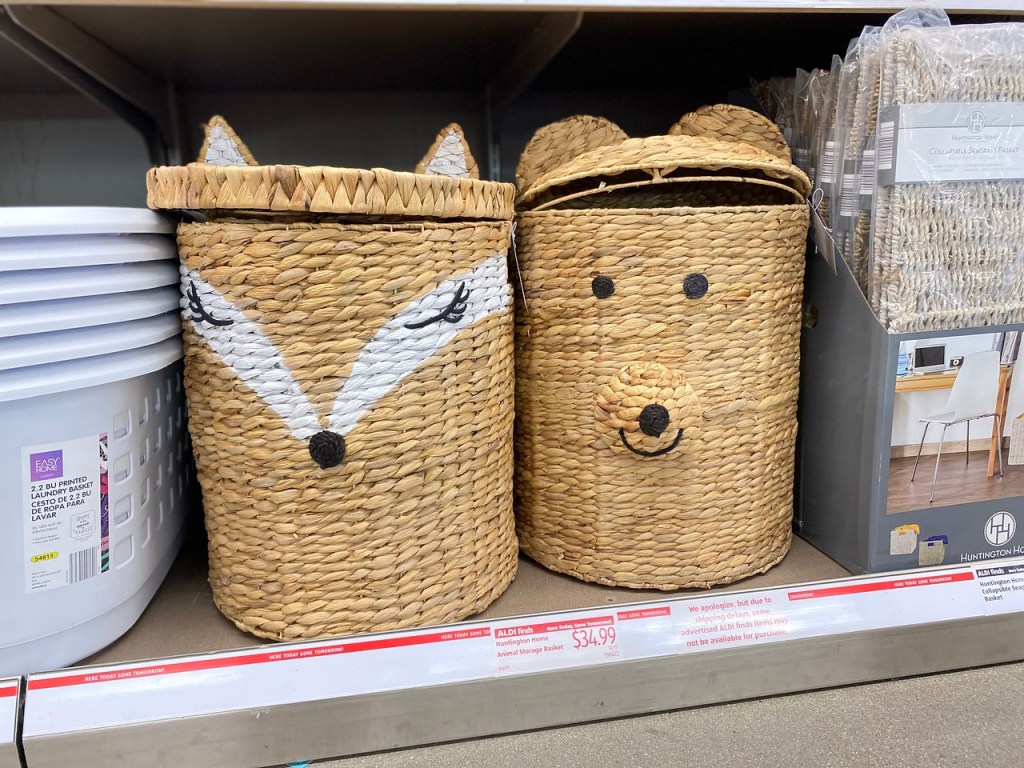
[
  {"x": 327, "y": 449},
  {"x": 654, "y": 420}
]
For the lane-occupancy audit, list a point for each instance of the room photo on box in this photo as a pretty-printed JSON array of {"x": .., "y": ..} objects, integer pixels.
[{"x": 958, "y": 421}]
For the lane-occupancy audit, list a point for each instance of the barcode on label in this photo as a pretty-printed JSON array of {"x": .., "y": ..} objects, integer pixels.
[
  {"x": 83, "y": 565},
  {"x": 828, "y": 163},
  {"x": 849, "y": 195},
  {"x": 801, "y": 158},
  {"x": 886, "y": 134},
  {"x": 867, "y": 173}
]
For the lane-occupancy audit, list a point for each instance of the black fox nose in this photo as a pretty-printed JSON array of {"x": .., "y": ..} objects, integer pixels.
[
  {"x": 327, "y": 449},
  {"x": 654, "y": 420}
]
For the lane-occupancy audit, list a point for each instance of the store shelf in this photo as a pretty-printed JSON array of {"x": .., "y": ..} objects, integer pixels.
[
  {"x": 358, "y": 83},
  {"x": 787, "y": 6},
  {"x": 279, "y": 703},
  {"x": 303, "y": 81},
  {"x": 182, "y": 618}
]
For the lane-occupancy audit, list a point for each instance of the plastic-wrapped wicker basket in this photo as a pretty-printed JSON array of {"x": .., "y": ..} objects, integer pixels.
[
  {"x": 657, "y": 350},
  {"x": 348, "y": 366}
]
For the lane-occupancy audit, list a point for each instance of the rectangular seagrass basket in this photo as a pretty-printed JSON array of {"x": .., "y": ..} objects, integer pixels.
[
  {"x": 657, "y": 349},
  {"x": 348, "y": 366}
]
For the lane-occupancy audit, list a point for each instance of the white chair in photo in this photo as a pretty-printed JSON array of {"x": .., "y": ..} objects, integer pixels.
[
  {"x": 974, "y": 395},
  {"x": 1015, "y": 410}
]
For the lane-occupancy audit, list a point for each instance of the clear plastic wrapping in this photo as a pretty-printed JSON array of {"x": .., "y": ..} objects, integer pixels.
[
  {"x": 845, "y": 98},
  {"x": 947, "y": 244},
  {"x": 803, "y": 116},
  {"x": 859, "y": 159},
  {"x": 824, "y": 139}
]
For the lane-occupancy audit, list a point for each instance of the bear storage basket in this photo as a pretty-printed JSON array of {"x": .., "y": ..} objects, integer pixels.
[
  {"x": 657, "y": 349},
  {"x": 348, "y": 369}
]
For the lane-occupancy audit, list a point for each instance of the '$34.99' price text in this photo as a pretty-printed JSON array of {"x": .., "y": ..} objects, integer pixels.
[{"x": 595, "y": 636}]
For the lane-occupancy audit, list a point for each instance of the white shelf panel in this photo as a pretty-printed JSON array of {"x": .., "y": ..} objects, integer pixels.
[{"x": 183, "y": 702}]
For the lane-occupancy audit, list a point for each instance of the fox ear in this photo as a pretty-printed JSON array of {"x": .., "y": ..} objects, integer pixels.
[
  {"x": 449, "y": 156},
  {"x": 222, "y": 145}
]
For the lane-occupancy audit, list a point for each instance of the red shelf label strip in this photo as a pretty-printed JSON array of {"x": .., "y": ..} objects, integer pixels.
[
  {"x": 879, "y": 586},
  {"x": 285, "y": 654}
]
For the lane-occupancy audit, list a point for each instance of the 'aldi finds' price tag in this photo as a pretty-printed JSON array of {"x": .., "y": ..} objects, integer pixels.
[{"x": 555, "y": 643}]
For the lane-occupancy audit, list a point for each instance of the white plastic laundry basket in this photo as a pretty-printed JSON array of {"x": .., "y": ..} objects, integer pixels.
[{"x": 93, "y": 453}]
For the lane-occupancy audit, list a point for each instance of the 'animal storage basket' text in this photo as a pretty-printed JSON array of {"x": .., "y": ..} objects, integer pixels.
[
  {"x": 657, "y": 349},
  {"x": 348, "y": 364}
]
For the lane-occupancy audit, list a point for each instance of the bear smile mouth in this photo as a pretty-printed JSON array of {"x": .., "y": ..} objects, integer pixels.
[{"x": 659, "y": 452}]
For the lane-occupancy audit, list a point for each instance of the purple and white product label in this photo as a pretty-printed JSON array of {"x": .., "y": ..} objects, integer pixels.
[
  {"x": 63, "y": 497},
  {"x": 46, "y": 465}
]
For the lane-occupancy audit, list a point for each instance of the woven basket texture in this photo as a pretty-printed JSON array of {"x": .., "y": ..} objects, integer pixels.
[
  {"x": 216, "y": 184},
  {"x": 949, "y": 255},
  {"x": 1017, "y": 441},
  {"x": 725, "y": 121},
  {"x": 562, "y": 141},
  {"x": 657, "y": 354},
  {"x": 350, "y": 400}
]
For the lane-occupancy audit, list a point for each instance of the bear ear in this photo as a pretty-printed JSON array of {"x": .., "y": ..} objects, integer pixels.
[
  {"x": 731, "y": 123},
  {"x": 449, "y": 156},
  {"x": 560, "y": 142},
  {"x": 222, "y": 145}
]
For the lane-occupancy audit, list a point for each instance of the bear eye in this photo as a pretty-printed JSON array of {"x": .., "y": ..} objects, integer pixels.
[
  {"x": 602, "y": 286},
  {"x": 695, "y": 286}
]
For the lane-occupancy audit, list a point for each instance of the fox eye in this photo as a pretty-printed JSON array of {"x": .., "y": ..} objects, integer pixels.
[
  {"x": 602, "y": 286},
  {"x": 451, "y": 314},
  {"x": 199, "y": 313}
]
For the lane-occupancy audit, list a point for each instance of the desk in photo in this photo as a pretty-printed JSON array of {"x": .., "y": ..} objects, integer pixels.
[{"x": 922, "y": 382}]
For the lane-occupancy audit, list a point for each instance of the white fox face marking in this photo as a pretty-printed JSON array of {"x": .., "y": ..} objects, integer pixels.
[
  {"x": 247, "y": 351},
  {"x": 408, "y": 339}
]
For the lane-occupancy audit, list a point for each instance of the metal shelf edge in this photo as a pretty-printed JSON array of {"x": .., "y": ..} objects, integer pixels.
[{"x": 421, "y": 716}]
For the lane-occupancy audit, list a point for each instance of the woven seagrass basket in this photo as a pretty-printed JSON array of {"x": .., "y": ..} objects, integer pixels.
[
  {"x": 657, "y": 350},
  {"x": 348, "y": 362}
]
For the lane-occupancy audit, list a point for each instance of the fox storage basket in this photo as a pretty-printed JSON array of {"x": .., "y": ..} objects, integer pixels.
[
  {"x": 657, "y": 348},
  {"x": 348, "y": 364}
]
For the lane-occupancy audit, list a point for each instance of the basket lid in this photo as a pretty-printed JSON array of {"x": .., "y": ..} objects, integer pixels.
[
  {"x": 680, "y": 156},
  {"x": 227, "y": 177}
]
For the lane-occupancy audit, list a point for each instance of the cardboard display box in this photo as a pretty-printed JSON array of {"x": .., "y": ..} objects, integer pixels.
[{"x": 861, "y": 428}]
